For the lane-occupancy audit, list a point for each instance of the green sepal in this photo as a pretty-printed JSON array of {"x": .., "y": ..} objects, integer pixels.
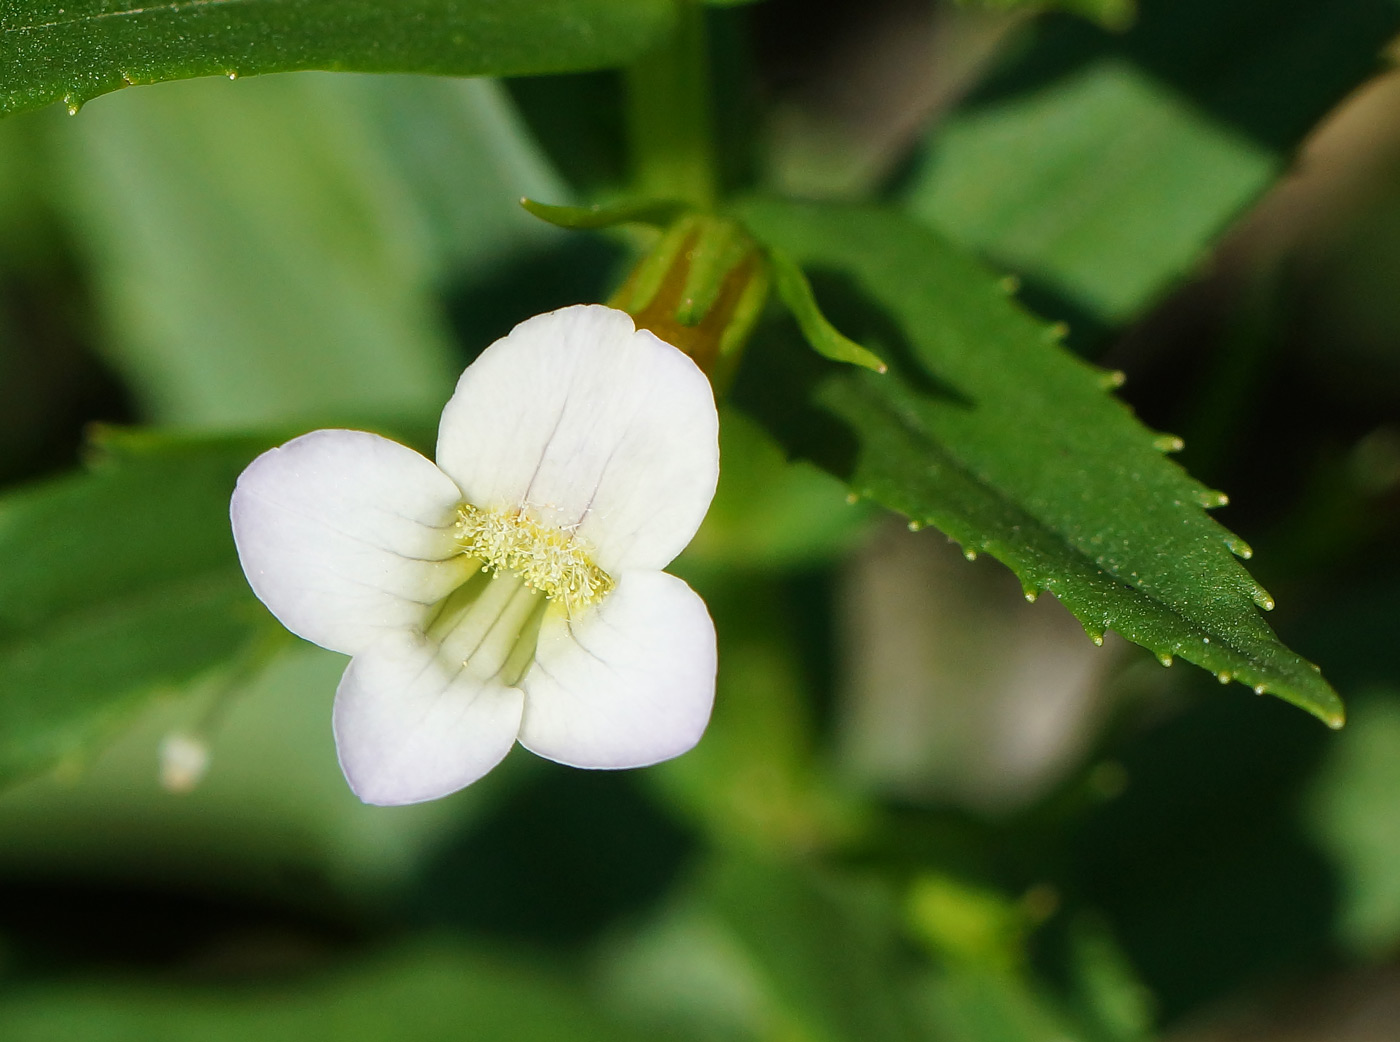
[
  {"x": 796, "y": 293},
  {"x": 660, "y": 213}
]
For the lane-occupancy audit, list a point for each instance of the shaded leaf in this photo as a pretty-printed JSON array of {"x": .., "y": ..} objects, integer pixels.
[
  {"x": 118, "y": 583},
  {"x": 826, "y": 339},
  {"x": 405, "y": 996},
  {"x": 74, "y": 50},
  {"x": 988, "y": 429},
  {"x": 822, "y": 947},
  {"x": 1113, "y": 14}
]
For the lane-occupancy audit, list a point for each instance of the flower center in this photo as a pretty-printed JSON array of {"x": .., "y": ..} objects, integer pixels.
[
  {"x": 545, "y": 558},
  {"x": 490, "y": 625}
]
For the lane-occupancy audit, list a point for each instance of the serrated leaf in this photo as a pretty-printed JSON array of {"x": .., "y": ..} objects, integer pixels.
[
  {"x": 1106, "y": 164},
  {"x": 118, "y": 583},
  {"x": 74, "y": 50},
  {"x": 987, "y": 429},
  {"x": 825, "y": 339}
]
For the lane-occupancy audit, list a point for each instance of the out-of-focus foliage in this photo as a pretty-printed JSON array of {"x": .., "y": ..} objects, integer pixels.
[
  {"x": 917, "y": 814},
  {"x": 423, "y": 993},
  {"x": 325, "y": 201},
  {"x": 1105, "y": 166},
  {"x": 145, "y": 595},
  {"x": 1353, "y": 812}
]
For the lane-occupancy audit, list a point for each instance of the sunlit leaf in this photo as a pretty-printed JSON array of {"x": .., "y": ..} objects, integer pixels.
[
  {"x": 989, "y": 430},
  {"x": 1105, "y": 165},
  {"x": 265, "y": 252},
  {"x": 74, "y": 50}
]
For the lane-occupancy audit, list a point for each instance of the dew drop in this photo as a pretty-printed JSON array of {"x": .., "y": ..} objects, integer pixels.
[
  {"x": 232, "y": 74},
  {"x": 970, "y": 554},
  {"x": 73, "y": 103},
  {"x": 1205, "y": 640},
  {"x": 1262, "y": 598},
  {"x": 1097, "y": 638},
  {"x": 1031, "y": 595},
  {"x": 1168, "y": 443},
  {"x": 1224, "y": 677},
  {"x": 1165, "y": 660},
  {"x": 1258, "y": 689},
  {"x": 915, "y": 526}
]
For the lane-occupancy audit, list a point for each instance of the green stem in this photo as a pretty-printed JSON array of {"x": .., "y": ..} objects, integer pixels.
[{"x": 669, "y": 116}]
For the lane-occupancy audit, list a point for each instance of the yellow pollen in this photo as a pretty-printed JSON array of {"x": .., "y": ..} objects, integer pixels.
[{"x": 548, "y": 559}]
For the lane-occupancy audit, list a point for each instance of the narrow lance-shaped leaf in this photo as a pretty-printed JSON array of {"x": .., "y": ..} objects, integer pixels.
[
  {"x": 988, "y": 429},
  {"x": 74, "y": 50},
  {"x": 658, "y": 212},
  {"x": 826, "y": 339}
]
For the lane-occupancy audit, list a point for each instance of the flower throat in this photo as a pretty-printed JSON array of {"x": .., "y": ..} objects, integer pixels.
[{"x": 545, "y": 558}]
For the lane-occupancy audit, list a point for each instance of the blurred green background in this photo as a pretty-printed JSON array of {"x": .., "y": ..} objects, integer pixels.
[{"x": 925, "y": 809}]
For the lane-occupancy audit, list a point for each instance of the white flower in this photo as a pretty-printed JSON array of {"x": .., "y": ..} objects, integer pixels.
[{"x": 514, "y": 589}]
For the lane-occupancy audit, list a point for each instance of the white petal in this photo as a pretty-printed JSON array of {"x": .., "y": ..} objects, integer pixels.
[
  {"x": 626, "y": 684},
  {"x": 345, "y": 534},
  {"x": 410, "y": 728},
  {"x": 590, "y": 423}
]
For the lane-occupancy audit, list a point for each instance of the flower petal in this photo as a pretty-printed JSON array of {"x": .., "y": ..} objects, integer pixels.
[
  {"x": 409, "y": 727},
  {"x": 345, "y": 534},
  {"x": 594, "y": 425},
  {"x": 627, "y": 684}
]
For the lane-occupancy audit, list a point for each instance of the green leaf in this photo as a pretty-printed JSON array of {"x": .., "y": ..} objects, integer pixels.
[
  {"x": 413, "y": 994},
  {"x": 258, "y": 256},
  {"x": 74, "y": 50},
  {"x": 1351, "y": 811},
  {"x": 1104, "y": 184},
  {"x": 754, "y": 781},
  {"x": 660, "y": 213},
  {"x": 769, "y": 513},
  {"x": 986, "y": 428},
  {"x": 1105, "y": 165},
  {"x": 118, "y": 583},
  {"x": 823, "y": 947},
  {"x": 826, "y": 339},
  {"x": 1112, "y": 14}
]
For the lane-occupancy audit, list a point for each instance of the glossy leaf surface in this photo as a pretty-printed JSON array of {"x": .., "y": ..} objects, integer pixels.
[
  {"x": 988, "y": 429},
  {"x": 74, "y": 50}
]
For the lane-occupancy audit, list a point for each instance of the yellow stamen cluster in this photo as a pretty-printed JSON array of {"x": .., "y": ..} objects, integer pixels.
[{"x": 548, "y": 559}]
